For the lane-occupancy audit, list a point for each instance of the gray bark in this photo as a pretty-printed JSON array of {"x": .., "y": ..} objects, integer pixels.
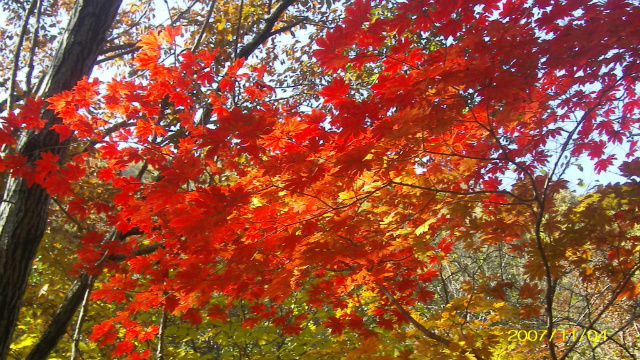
[{"x": 23, "y": 208}]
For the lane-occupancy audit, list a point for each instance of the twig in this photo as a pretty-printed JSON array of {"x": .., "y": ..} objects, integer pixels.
[
  {"x": 66, "y": 213},
  {"x": 266, "y": 33},
  {"x": 461, "y": 193},
  {"x": 121, "y": 47},
  {"x": 288, "y": 27},
  {"x": 428, "y": 333},
  {"x": 550, "y": 281},
  {"x": 117, "y": 55},
  {"x": 186, "y": 10},
  {"x": 16, "y": 54},
  {"x": 617, "y": 291},
  {"x": 32, "y": 48},
  {"x": 81, "y": 316},
  {"x": 139, "y": 252},
  {"x": 203, "y": 29},
  {"x": 163, "y": 325},
  {"x": 235, "y": 46}
]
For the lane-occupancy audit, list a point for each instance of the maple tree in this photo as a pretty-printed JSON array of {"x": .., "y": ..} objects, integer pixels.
[
  {"x": 46, "y": 57},
  {"x": 425, "y": 198}
]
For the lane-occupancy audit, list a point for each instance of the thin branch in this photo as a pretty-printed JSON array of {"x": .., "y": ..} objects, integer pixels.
[
  {"x": 139, "y": 252},
  {"x": 583, "y": 118},
  {"x": 251, "y": 46},
  {"x": 183, "y": 12},
  {"x": 58, "y": 325},
  {"x": 117, "y": 55},
  {"x": 130, "y": 48},
  {"x": 266, "y": 33},
  {"x": 428, "y": 333},
  {"x": 203, "y": 29},
  {"x": 489, "y": 129},
  {"x": 612, "y": 336},
  {"x": 617, "y": 291},
  {"x": 551, "y": 283},
  {"x": 81, "y": 317},
  {"x": 32, "y": 47},
  {"x": 471, "y": 157},
  {"x": 66, "y": 213},
  {"x": 168, "y": 10},
  {"x": 114, "y": 48},
  {"x": 288, "y": 27},
  {"x": 16, "y": 54},
  {"x": 107, "y": 132},
  {"x": 235, "y": 47},
  {"x": 466, "y": 193},
  {"x": 163, "y": 325}
]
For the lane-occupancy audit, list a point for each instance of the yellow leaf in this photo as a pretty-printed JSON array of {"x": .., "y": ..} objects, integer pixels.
[
  {"x": 424, "y": 227},
  {"x": 368, "y": 346},
  {"x": 346, "y": 195}
]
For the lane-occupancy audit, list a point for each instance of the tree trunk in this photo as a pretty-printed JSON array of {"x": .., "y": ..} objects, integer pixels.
[{"x": 23, "y": 208}]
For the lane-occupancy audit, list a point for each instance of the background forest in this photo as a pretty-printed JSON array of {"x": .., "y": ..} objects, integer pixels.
[{"x": 257, "y": 179}]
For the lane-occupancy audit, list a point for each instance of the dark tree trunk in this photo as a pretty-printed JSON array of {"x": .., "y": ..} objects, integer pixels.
[{"x": 23, "y": 208}]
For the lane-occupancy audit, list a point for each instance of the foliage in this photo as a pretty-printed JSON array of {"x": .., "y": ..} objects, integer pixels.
[{"x": 422, "y": 211}]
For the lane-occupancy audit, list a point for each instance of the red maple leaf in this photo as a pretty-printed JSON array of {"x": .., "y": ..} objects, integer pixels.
[
  {"x": 123, "y": 348},
  {"x": 335, "y": 92}
]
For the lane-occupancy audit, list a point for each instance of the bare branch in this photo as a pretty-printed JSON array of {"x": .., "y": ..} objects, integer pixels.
[
  {"x": 118, "y": 55},
  {"x": 66, "y": 213},
  {"x": 183, "y": 12},
  {"x": 614, "y": 296},
  {"x": 81, "y": 316},
  {"x": 203, "y": 29},
  {"x": 235, "y": 46},
  {"x": 16, "y": 54},
  {"x": 428, "y": 333},
  {"x": 266, "y": 33},
  {"x": 139, "y": 252},
  {"x": 114, "y": 48},
  {"x": 465, "y": 193},
  {"x": 163, "y": 326},
  {"x": 288, "y": 27},
  {"x": 58, "y": 325},
  {"x": 32, "y": 48}
]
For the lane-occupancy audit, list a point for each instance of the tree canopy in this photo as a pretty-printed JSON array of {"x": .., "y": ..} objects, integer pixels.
[{"x": 286, "y": 180}]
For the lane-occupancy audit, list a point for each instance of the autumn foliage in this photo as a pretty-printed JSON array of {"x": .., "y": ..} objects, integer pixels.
[{"x": 428, "y": 197}]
